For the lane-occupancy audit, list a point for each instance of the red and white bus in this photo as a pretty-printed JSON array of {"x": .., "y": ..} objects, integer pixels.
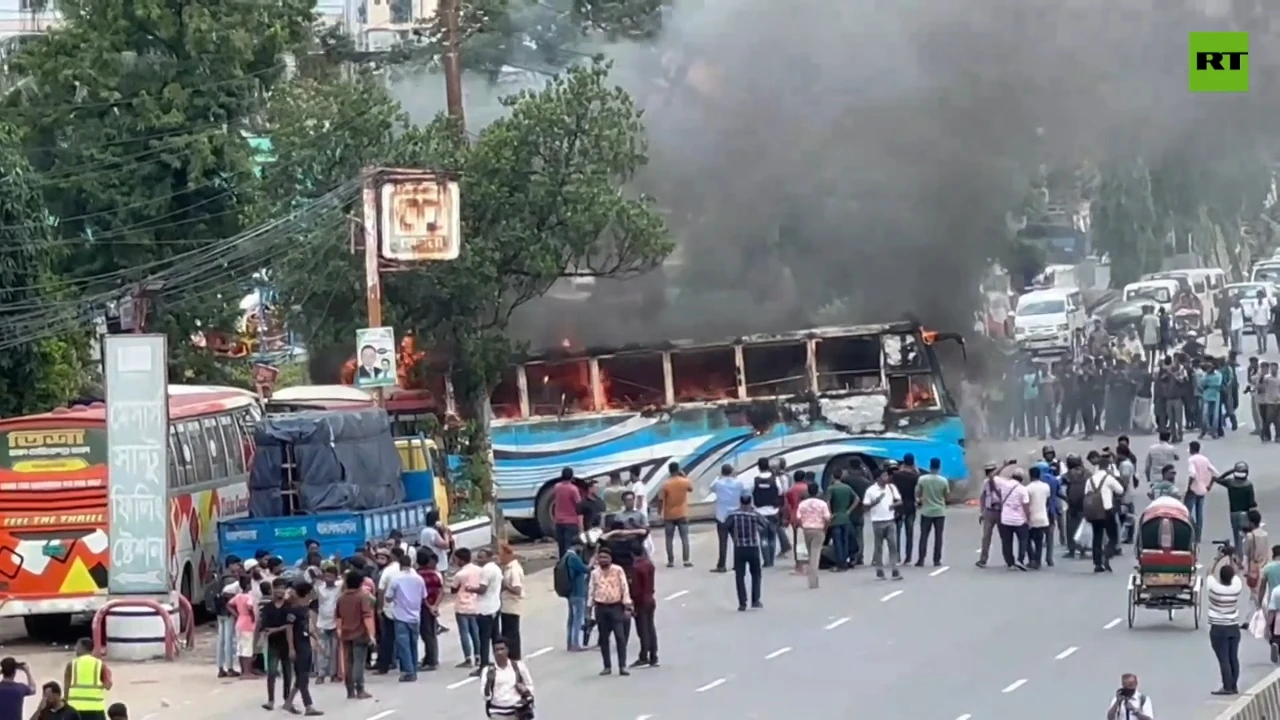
[{"x": 53, "y": 501}]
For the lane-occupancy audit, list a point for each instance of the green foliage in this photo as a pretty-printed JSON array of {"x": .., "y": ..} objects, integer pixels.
[
  {"x": 542, "y": 197},
  {"x": 39, "y": 375},
  {"x": 1124, "y": 220},
  {"x": 540, "y": 35},
  {"x": 134, "y": 114}
]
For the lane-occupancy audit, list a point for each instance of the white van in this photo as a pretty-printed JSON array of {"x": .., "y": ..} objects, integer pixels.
[
  {"x": 1267, "y": 271},
  {"x": 1159, "y": 292},
  {"x": 1050, "y": 320}
]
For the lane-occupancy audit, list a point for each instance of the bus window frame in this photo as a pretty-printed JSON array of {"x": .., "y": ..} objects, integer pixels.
[
  {"x": 193, "y": 427},
  {"x": 809, "y": 366},
  {"x": 234, "y": 444},
  {"x": 214, "y": 441}
]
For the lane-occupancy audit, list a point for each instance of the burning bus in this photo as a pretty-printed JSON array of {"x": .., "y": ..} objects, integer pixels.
[{"x": 814, "y": 398}]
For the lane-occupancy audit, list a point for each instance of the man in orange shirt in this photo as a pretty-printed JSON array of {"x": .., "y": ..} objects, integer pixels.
[{"x": 673, "y": 503}]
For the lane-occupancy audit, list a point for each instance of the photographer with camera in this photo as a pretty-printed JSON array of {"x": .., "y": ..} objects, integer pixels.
[
  {"x": 1225, "y": 589},
  {"x": 1129, "y": 704},
  {"x": 12, "y": 691}
]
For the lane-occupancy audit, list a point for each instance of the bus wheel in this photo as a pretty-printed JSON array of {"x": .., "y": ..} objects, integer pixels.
[
  {"x": 527, "y": 527},
  {"x": 48, "y": 628},
  {"x": 542, "y": 512}
]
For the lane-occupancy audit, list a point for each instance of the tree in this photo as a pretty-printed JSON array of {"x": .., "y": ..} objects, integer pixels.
[
  {"x": 135, "y": 114},
  {"x": 540, "y": 35},
  {"x": 544, "y": 196},
  {"x": 43, "y": 370}
]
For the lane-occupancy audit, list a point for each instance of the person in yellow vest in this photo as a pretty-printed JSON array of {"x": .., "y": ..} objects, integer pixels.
[{"x": 87, "y": 680}]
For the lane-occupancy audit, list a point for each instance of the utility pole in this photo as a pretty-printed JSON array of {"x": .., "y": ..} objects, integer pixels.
[{"x": 452, "y": 68}]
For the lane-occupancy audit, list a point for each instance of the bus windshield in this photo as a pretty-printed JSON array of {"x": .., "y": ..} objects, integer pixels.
[{"x": 1266, "y": 273}]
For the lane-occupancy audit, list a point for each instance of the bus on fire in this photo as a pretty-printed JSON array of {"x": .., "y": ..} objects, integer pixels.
[{"x": 813, "y": 398}]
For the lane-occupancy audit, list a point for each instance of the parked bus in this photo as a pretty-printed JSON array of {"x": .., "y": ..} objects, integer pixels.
[
  {"x": 814, "y": 399},
  {"x": 53, "y": 501}
]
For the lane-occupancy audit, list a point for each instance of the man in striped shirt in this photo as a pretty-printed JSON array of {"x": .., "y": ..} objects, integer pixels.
[
  {"x": 1225, "y": 590},
  {"x": 745, "y": 529}
]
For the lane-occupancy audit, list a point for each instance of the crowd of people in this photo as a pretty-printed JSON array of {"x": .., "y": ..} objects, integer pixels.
[{"x": 1133, "y": 382}]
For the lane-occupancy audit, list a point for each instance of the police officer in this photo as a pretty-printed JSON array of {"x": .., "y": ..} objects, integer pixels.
[{"x": 87, "y": 680}]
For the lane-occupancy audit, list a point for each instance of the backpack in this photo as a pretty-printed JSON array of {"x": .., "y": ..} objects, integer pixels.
[
  {"x": 561, "y": 580},
  {"x": 1094, "y": 509}
]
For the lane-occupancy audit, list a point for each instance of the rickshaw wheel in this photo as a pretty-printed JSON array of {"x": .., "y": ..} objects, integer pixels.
[{"x": 1133, "y": 605}]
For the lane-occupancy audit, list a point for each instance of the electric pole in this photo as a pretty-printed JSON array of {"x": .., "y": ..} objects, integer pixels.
[{"x": 452, "y": 68}]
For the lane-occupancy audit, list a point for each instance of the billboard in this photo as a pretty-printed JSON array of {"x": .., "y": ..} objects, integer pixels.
[
  {"x": 137, "y": 463},
  {"x": 420, "y": 218},
  {"x": 376, "y": 357}
]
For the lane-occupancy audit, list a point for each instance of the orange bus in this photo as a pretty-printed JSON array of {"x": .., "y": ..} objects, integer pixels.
[{"x": 53, "y": 501}]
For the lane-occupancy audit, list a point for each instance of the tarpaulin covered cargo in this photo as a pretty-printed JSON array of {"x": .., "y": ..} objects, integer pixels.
[{"x": 333, "y": 460}]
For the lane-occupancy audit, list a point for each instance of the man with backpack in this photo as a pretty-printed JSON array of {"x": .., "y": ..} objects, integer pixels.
[
  {"x": 1074, "y": 482},
  {"x": 1102, "y": 496},
  {"x": 508, "y": 686},
  {"x": 570, "y": 581}
]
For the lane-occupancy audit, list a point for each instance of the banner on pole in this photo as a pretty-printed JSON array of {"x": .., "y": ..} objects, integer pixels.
[{"x": 137, "y": 390}]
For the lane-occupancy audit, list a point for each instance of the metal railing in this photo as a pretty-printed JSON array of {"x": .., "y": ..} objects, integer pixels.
[{"x": 1260, "y": 702}]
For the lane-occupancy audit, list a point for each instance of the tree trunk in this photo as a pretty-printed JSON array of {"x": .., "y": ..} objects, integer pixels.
[{"x": 480, "y": 410}]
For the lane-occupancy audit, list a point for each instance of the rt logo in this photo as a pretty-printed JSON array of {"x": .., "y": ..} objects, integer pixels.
[{"x": 1219, "y": 62}]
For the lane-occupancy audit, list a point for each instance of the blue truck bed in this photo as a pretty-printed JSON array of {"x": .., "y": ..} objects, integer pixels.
[{"x": 338, "y": 533}]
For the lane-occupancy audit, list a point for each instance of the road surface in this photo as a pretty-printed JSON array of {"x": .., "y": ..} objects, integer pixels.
[{"x": 948, "y": 643}]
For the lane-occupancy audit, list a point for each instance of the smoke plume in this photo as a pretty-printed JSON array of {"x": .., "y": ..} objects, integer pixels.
[{"x": 853, "y": 161}]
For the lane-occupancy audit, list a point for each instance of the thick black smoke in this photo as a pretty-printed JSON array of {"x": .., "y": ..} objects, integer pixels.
[{"x": 854, "y": 161}]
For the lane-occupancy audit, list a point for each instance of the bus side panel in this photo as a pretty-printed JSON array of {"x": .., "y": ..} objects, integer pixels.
[
  {"x": 193, "y": 532},
  {"x": 701, "y": 439}
]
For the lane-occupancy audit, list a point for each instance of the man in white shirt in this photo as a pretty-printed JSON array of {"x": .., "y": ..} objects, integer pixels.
[
  {"x": 1038, "y": 493},
  {"x": 880, "y": 500},
  {"x": 1128, "y": 703},
  {"x": 1261, "y": 320},
  {"x": 389, "y": 562},
  {"x": 488, "y": 602},
  {"x": 1109, "y": 491},
  {"x": 1235, "y": 325}
]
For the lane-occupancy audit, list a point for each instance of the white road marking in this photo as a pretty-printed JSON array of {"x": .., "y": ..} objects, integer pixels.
[
  {"x": 939, "y": 571},
  {"x": 891, "y": 596},
  {"x": 1014, "y": 685},
  {"x": 380, "y": 715},
  {"x": 675, "y": 595},
  {"x": 1066, "y": 653},
  {"x": 543, "y": 651},
  {"x": 836, "y": 624},
  {"x": 713, "y": 684},
  {"x": 965, "y": 716},
  {"x": 1111, "y": 624},
  {"x": 460, "y": 683},
  {"x": 643, "y": 717},
  {"x": 777, "y": 653},
  {"x": 978, "y": 551}
]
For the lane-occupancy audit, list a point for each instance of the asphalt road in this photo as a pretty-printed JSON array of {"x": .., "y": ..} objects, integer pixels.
[{"x": 954, "y": 643}]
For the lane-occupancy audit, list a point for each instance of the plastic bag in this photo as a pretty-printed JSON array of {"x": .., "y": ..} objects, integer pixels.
[
  {"x": 1258, "y": 625},
  {"x": 802, "y": 551},
  {"x": 1084, "y": 535}
]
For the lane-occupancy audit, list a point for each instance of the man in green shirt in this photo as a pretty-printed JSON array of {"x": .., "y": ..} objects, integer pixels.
[
  {"x": 931, "y": 496},
  {"x": 612, "y": 496},
  {"x": 842, "y": 500}
]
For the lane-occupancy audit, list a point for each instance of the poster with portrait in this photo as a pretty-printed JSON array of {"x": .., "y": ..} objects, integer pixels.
[{"x": 376, "y": 357}]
